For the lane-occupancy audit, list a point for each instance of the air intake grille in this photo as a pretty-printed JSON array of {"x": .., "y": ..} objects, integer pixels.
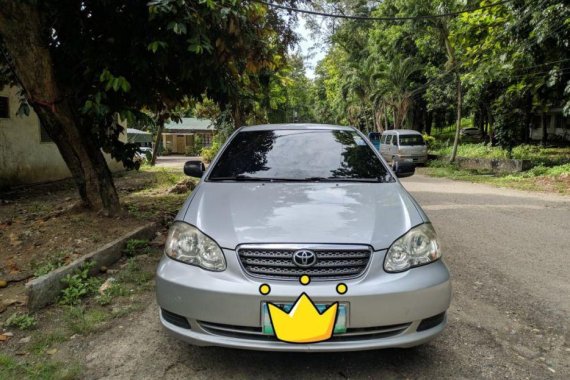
[{"x": 331, "y": 263}]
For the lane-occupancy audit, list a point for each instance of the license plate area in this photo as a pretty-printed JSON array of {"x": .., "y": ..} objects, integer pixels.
[{"x": 339, "y": 327}]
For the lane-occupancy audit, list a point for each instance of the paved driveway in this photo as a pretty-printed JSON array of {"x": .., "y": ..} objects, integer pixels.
[
  {"x": 173, "y": 161},
  {"x": 508, "y": 252}
]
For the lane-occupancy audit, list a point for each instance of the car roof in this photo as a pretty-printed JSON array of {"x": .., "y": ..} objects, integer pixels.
[
  {"x": 305, "y": 126},
  {"x": 402, "y": 132}
]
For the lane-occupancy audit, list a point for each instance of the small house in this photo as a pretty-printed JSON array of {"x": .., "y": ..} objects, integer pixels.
[{"x": 188, "y": 136}]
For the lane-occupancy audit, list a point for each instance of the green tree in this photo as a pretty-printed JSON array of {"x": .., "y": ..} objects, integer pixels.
[{"x": 87, "y": 65}]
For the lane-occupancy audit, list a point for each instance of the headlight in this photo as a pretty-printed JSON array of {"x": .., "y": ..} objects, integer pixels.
[
  {"x": 417, "y": 247},
  {"x": 187, "y": 244}
]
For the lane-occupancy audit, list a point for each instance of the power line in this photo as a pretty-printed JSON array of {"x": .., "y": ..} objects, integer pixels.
[{"x": 367, "y": 18}]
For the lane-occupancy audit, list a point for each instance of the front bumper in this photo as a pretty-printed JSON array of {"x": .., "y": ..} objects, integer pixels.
[
  {"x": 416, "y": 159},
  {"x": 224, "y": 308}
]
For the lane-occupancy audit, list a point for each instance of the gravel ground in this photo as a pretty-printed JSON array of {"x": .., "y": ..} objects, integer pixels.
[{"x": 508, "y": 254}]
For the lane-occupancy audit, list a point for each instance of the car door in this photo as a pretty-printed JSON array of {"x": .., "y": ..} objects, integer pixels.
[{"x": 393, "y": 147}]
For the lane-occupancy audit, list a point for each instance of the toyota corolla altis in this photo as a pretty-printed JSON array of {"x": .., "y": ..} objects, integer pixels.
[{"x": 283, "y": 203}]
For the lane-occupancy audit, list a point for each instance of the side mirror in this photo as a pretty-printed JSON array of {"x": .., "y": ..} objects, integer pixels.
[
  {"x": 404, "y": 169},
  {"x": 194, "y": 169}
]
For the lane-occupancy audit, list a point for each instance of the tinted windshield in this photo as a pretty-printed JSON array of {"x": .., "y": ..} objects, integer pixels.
[
  {"x": 302, "y": 155},
  {"x": 411, "y": 140}
]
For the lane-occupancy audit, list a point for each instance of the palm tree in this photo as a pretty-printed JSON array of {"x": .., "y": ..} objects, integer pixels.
[{"x": 394, "y": 88}]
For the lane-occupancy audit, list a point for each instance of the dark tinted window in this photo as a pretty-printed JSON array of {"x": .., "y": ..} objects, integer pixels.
[
  {"x": 373, "y": 136},
  {"x": 411, "y": 140},
  {"x": 310, "y": 155}
]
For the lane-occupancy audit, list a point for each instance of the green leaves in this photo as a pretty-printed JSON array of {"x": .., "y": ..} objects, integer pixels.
[
  {"x": 177, "y": 27},
  {"x": 199, "y": 44},
  {"x": 156, "y": 45},
  {"x": 113, "y": 82}
]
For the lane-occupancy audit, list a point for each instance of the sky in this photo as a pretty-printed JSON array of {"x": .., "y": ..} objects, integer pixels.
[{"x": 312, "y": 52}]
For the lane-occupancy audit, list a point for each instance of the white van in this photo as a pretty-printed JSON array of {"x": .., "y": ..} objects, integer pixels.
[{"x": 403, "y": 145}]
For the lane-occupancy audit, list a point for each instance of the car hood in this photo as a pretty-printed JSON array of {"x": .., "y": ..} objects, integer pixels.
[{"x": 344, "y": 213}]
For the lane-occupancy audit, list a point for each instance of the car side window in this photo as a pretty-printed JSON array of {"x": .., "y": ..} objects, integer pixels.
[
  {"x": 395, "y": 140},
  {"x": 388, "y": 139}
]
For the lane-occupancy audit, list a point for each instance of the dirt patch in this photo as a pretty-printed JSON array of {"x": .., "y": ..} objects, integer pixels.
[{"x": 43, "y": 227}]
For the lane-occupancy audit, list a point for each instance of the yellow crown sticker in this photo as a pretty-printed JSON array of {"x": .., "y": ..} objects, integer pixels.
[{"x": 304, "y": 323}]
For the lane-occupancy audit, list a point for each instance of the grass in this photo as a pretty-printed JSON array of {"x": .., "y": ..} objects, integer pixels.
[
  {"x": 81, "y": 320},
  {"x": 163, "y": 178},
  {"x": 50, "y": 263},
  {"x": 134, "y": 274},
  {"x": 540, "y": 178},
  {"x": 154, "y": 200},
  {"x": 10, "y": 368},
  {"x": 538, "y": 155},
  {"x": 45, "y": 340}
]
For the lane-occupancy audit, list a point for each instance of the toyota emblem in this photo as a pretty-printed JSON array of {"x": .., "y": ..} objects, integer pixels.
[{"x": 304, "y": 258}]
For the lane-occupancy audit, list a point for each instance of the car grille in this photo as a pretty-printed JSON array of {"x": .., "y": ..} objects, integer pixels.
[
  {"x": 352, "y": 334},
  {"x": 335, "y": 262}
]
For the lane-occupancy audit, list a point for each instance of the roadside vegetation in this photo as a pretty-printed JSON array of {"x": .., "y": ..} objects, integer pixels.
[
  {"x": 43, "y": 345},
  {"x": 550, "y": 170},
  {"x": 555, "y": 179}
]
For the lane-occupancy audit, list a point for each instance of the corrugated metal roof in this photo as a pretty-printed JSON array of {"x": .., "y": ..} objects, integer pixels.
[
  {"x": 190, "y": 124},
  {"x": 134, "y": 131}
]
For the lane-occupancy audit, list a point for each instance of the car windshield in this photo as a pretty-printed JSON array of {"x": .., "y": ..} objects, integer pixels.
[
  {"x": 299, "y": 155},
  {"x": 411, "y": 140}
]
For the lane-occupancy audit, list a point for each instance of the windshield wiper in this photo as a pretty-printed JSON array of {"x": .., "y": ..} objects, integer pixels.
[
  {"x": 239, "y": 177},
  {"x": 341, "y": 179},
  {"x": 245, "y": 178}
]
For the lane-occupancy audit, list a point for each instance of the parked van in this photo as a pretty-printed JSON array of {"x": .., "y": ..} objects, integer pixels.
[{"x": 403, "y": 145}]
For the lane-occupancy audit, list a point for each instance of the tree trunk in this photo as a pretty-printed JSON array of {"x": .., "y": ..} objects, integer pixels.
[
  {"x": 528, "y": 117},
  {"x": 157, "y": 142},
  {"x": 458, "y": 123},
  {"x": 544, "y": 128},
  {"x": 31, "y": 62},
  {"x": 236, "y": 114},
  {"x": 429, "y": 121}
]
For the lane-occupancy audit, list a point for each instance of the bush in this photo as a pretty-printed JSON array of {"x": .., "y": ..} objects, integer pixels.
[
  {"x": 209, "y": 153},
  {"x": 136, "y": 247},
  {"x": 430, "y": 140},
  {"x": 22, "y": 321},
  {"x": 79, "y": 285}
]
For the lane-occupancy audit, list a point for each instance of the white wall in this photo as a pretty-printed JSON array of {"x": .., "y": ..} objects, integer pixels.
[{"x": 24, "y": 158}]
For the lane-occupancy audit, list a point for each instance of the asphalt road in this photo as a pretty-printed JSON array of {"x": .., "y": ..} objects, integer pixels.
[
  {"x": 173, "y": 161},
  {"x": 508, "y": 252}
]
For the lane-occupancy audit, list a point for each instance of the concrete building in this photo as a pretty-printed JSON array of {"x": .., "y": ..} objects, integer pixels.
[
  {"x": 27, "y": 154},
  {"x": 557, "y": 126},
  {"x": 187, "y": 137}
]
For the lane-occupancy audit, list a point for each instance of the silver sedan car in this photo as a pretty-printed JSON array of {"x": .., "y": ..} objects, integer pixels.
[{"x": 299, "y": 237}]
